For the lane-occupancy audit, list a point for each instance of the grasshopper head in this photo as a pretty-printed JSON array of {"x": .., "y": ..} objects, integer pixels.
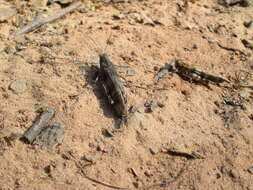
[{"x": 104, "y": 61}]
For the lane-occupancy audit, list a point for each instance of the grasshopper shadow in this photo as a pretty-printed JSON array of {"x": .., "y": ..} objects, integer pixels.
[{"x": 91, "y": 74}]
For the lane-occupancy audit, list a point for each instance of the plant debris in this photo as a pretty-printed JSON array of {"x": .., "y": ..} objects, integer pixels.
[{"x": 193, "y": 155}]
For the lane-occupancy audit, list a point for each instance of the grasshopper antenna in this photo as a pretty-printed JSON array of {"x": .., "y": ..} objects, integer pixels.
[{"x": 107, "y": 42}]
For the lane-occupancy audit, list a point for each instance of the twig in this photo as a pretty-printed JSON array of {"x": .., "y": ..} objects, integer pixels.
[
  {"x": 40, "y": 21},
  {"x": 168, "y": 182},
  {"x": 95, "y": 180},
  {"x": 231, "y": 49},
  {"x": 148, "y": 88}
]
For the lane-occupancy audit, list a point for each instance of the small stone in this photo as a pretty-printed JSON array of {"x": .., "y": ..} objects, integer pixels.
[
  {"x": 10, "y": 68},
  {"x": 232, "y": 174},
  {"x": 218, "y": 175},
  {"x": 154, "y": 150},
  {"x": 83, "y": 10},
  {"x": 9, "y": 50},
  {"x": 160, "y": 105},
  {"x": 119, "y": 1},
  {"x": 18, "y": 86},
  {"x": 127, "y": 59},
  {"x": 107, "y": 133},
  {"x": 223, "y": 170},
  {"x": 6, "y": 13},
  {"x": 131, "y": 72},
  {"x": 250, "y": 170},
  {"x": 147, "y": 173},
  {"x": 49, "y": 170},
  {"x": 137, "y": 17},
  {"x": 190, "y": 26},
  {"x": 116, "y": 17},
  {"x": 132, "y": 171},
  {"x": 125, "y": 12},
  {"x": 225, "y": 144},
  {"x": 136, "y": 108},
  {"x": 136, "y": 184},
  {"x": 156, "y": 68},
  {"x": 147, "y": 20},
  {"x": 150, "y": 106},
  {"x": 117, "y": 27},
  {"x": 63, "y": 2},
  {"x": 247, "y": 43},
  {"x": 248, "y": 24}
]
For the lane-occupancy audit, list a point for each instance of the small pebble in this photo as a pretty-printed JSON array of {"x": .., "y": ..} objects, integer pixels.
[
  {"x": 131, "y": 72},
  {"x": 154, "y": 150},
  {"x": 136, "y": 108},
  {"x": 225, "y": 144},
  {"x": 10, "y": 68},
  {"x": 248, "y": 24},
  {"x": 107, "y": 133},
  {"x": 247, "y": 43},
  {"x": 150, "y": 106},
  {"x": 250, "y": 170},
  {"x": 18, "y": 86},
  {"x": 116, "y": 17}
]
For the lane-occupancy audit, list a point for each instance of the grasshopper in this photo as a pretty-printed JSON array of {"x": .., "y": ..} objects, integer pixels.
[
  {"x": 190, "y": 73},
  {"x": 112, "y": 87}
]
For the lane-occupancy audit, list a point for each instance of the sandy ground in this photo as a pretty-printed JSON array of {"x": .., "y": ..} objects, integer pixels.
[{"x": 53, "y": 66}]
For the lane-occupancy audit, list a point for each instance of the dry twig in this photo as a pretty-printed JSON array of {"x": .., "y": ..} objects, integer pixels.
[
  {"x": 95, "y": 180},
  {"x": 40, "y": 21}
]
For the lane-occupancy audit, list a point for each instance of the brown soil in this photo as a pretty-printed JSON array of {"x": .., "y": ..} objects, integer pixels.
[{"x": 56, "y": 62}]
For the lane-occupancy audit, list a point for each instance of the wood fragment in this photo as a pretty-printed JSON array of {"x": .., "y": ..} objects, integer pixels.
[
  {"x": 39, "y": 124},
  {"x": 40, "y": 21},
  {"x": 187, "y": 155}
]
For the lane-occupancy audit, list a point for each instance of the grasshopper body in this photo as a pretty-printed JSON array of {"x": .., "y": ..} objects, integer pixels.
[{"x": 112, "y": 86}]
